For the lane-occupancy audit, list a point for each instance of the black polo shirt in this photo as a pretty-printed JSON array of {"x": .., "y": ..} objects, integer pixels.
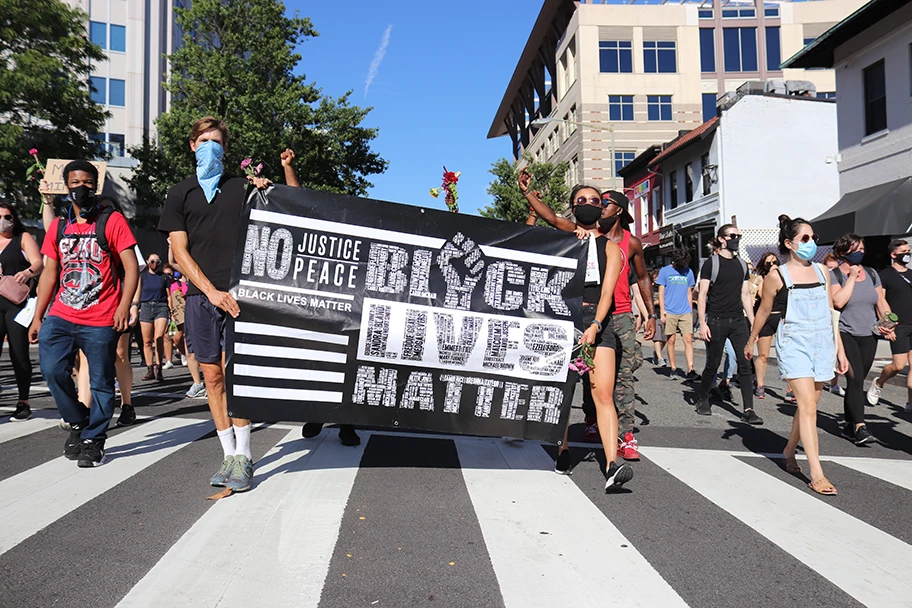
[{"x": 212, "y": 228}]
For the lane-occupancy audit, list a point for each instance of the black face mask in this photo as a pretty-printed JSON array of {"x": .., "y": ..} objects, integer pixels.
[
  {"x": 732, "y": 244},
  {"x": 587, "y": 214},
  {"x": 607, "y": 223},
  {"x": 84, "y": 198},
  {"x": 904, "y": 258}
]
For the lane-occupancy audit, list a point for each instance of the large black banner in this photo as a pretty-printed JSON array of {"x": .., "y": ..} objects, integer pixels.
[{"x": 366, "y": 312}]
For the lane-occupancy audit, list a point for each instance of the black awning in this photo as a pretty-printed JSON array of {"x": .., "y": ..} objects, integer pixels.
[{"x": 883, "y": 210}]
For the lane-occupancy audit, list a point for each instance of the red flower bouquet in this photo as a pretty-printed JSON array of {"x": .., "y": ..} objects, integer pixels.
[{"x": 450, "y": 179}]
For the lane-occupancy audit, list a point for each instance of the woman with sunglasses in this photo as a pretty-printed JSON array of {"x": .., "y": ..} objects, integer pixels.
[
  {"x": 860, "y": 297},
  {"x": 805, "y": 345},
  {"x": 153, "y": 315},
  {"x": 20, "y": 259},
  {"x": 768, "y": 263}
]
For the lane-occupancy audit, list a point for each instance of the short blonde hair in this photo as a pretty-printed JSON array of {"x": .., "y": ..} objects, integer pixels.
[{"x": 207, "y": 123}]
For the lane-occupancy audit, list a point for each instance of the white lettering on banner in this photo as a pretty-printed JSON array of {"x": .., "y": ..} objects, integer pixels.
[
  {"x": 465, "y": 341},
  {"x": 265, "y": 254}
]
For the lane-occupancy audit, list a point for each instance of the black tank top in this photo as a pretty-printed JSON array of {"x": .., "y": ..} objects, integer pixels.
[{"x": 12, "y": 260}]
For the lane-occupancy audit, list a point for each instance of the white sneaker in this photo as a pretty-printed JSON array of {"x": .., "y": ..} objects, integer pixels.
[
  {"x": 167, "y": 365},
  {"x": 837, "y": 390},
  {"x": 183, "y": 360},
  {"x": 874, "y": 393}
]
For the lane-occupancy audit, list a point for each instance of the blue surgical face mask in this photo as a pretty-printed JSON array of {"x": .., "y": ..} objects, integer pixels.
[
  {"x": 209, "y": 168},
  {"x": 806, "y": 251},
  {"x": 854, "y": 258}
]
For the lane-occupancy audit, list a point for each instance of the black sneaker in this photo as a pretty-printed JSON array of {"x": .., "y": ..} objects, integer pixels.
[
  {"x": 562, "y": 464},
  {"x": 703, "y": 408},
  {"x": 92, "y": 453},
  {"x": 692, "y": 376},
  {"x": 750, "y": 416},
  {"x": 617, "y": 475},
  {"x": 863, "y": 436},
  {"x": 127, "y": 415},
  {"x": 73, "y": 446},
  {"x": 348, "y": 436},
  {"x": 725, "y": 392},
  {"x": 23, "y": 412},
  {"x": 311, "y": 429},
  {"x": 847, "y": 433}
]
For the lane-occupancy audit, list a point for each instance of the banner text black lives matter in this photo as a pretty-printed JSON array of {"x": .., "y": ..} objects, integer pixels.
[{"x": 372, "y": 313}]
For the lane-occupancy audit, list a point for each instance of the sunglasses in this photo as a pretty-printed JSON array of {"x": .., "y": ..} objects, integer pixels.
[
  {"x": 155, "y": 261},
  {"x": 733, "y": 235},
  {"x": 592, "y": 200},
  {"x": 8, "y": 218},
  {"x": 807, "y": 237}
]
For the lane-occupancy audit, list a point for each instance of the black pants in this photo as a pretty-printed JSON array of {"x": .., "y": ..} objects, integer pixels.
[
  {"x": 17, "y": 336},
  {"x": 859, "y": 351},
  {"x": 736, "y": 330},
  {"x": 588, "y": 402}
]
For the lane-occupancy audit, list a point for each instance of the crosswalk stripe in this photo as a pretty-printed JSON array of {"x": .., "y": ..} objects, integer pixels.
[
  {"x": 40, "y": 420},
  {"x": 286, "y": 527},
  {"x": 897, "y": 472},
  {"x": 865, "y": 562},
  {"x": 548, "y": 542},
  {"x": 38, "y": 497}
]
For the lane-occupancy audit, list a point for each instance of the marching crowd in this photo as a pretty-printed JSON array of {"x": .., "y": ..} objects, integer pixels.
[{"x": 94, "y": 289}]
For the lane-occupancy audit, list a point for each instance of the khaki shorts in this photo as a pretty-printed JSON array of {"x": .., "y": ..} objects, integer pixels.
[{"x": 684, "y": 323}]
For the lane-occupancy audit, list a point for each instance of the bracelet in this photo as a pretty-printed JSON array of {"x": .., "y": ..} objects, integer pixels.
[
  {"x": 135, "y": 304},
  {"x": 598, "y": 324},
  {"x": 654, "y": 316}
]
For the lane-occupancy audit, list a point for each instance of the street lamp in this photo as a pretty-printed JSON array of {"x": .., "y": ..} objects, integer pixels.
[{"x": 541, "y": 122}]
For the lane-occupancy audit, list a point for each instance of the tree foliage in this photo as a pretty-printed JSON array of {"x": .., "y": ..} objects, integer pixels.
[
  {"x": 44, "y": 91},
  {"x": 510, "y": 204},
  {"x": 237, "y": 62}
]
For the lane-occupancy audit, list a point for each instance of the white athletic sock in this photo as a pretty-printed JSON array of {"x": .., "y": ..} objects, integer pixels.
[
  {"x": 227, "y": 439},
  {"x": 243, "y": 441}
]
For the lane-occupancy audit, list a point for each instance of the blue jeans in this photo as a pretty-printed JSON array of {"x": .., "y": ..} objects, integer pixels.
[
  {"x": 730, "y": 365},
  {"x": 58, "y": 342}
]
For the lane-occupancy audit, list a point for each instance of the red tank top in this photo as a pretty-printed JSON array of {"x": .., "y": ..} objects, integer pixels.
[{"x": 622, "y": 289}]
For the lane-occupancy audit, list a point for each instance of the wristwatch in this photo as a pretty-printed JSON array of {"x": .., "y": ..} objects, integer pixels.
[{"x": 654, "y": 316}]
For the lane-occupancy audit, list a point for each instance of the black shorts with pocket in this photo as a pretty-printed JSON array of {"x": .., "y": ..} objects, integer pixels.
[{"x": 903, "y": 343}]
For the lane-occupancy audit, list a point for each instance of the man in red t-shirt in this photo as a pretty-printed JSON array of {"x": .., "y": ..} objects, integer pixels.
[{"x": 90, "y": 309}]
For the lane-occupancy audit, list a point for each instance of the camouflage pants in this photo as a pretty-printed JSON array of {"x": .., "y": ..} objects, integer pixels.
[{"x": 630, "y": 358}]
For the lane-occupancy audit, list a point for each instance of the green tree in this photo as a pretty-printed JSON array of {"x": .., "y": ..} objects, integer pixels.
[
  {"x": 510, "y": 204},
  {"x": 44, "y": 91},
  {"x": 237, "y": 62}
]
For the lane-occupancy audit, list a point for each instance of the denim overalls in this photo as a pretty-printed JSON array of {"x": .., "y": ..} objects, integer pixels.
[{"x": 804, "y": 340}]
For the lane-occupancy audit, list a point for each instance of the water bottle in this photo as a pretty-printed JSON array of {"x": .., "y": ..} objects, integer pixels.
[{"x": 887, "y": 322}]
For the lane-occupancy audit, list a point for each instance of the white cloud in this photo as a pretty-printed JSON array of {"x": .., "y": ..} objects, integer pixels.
[{"x": 378, "y": 59}]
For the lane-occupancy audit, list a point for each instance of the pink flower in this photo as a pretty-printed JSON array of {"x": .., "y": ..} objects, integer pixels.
[
  {"x": 33, "y": 151},
  {"x": 259, "y": 168},
  {"x": 246, "y": 163}
]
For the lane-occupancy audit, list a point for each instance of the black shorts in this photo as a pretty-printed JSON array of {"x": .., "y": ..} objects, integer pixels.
[
  {"x": 607, "y": 338},
  {"x": 772, "y": 324},
  {"x": 205, "y": 328},
  {"x": 903, "y": 343}
]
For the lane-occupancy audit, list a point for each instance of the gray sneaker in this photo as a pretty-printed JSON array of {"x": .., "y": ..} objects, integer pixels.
[
  {"x": 219, "y": 479},
  {"x": 197, "y": 390},
  {"x": 241, "y": 477}
]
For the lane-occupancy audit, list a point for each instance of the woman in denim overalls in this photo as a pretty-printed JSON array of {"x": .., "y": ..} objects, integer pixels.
[{"x": 806, "y": 349}]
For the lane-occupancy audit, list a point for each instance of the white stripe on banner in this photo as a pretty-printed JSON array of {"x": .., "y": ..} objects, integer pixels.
[
  {"x": 36, "y": 498},
  {"x": 264, "y": 329},
  {"x": 583, "y": 560},
  {"x": 865, "y": 562},
  {"x": 286, "y": 527},
  {"x": 378, "y": 234},
  {"x": 287, "y": 373},
  {"x": 286, "y": 394},
  {"x": 286, "y": 352},
  {"x": 306, "y": 292},
  {"x": 40, "y": 420}
]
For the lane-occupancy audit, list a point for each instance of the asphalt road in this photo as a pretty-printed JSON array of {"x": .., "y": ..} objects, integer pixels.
[{"x": 406, "y": 519}]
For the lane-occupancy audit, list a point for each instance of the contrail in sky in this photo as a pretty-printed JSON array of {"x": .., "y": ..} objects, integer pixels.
[{"x": 378, "y": 58}]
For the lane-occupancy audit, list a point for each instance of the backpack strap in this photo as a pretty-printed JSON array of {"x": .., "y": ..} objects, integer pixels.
[
  {"x": 714, "y": 269},
  {"x": 101, "y": 222},
  {"x": 840, "y": 277}
]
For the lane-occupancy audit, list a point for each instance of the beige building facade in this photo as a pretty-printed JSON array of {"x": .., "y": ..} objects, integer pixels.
[{"x": 603, "y": 82}]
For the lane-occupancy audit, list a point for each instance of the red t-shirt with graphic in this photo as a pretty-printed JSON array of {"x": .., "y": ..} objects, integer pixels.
[{"x": 90, "y": 289}]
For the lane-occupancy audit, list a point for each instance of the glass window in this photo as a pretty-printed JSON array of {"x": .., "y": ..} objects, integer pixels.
[
  {"x": 740, "y": 49},
  {"x": 116, "y": 144},
  {"x": 773, "y": 50},
  {"x": 673, "y": 189},
  {"x": 706, "y": 13},
  {"x": 616, "y": 56},
  {"x": 688, "y": 183},
  {"x": 98, "y": 144},
  {"x": 658, "y": 107},
  {"x": 116, "y": 95},
  {"x": 98, "y": 89},
  {"x": 119, "y": 38},
  {"x": 707, "y": 50},
  {"x": 704, "y": 178},
  {"x": 98, "y": 33},
  {"x": 659, "y": 57},
  {"x": 771, "y": 11},
  {"x": 807, "y": 41},
  {"x": 709, "y": 106},
  {"x": 875, "y": 98},
  {"x": 738, "y": 13},
  {"x": 620, "y": 107},
  {"x": 622, "y": 159},
  {"x": 826, "y": 95}
]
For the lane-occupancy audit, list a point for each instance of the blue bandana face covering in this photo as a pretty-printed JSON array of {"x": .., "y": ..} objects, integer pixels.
[{"x": 209, "y": 168}]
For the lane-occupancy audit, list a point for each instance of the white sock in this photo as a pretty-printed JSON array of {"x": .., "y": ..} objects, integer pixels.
[
  {"x": 227, "y": 439},
  {"x": 243, "y": 441}
]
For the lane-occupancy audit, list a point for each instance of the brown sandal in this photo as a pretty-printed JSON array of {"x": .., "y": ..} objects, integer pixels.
[
  {"x": 823, "y": 486},
  {"x": 791, "y": 465}
]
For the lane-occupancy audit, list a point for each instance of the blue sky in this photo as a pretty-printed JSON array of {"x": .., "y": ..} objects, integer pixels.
[{"x": 435, "y": 91}]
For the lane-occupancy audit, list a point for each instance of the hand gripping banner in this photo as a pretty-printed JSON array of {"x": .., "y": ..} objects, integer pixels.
[{"x": 379, "y": 314}]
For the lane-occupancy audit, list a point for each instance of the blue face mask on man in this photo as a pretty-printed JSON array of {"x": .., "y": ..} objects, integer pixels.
[{"x": 209, "y": 167}]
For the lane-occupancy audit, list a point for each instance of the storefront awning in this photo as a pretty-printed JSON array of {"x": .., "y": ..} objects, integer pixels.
[{"x": 882, "y": 210}]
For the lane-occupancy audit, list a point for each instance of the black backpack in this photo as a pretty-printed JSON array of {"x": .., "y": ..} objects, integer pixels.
[{"x": 101, "y": 222}]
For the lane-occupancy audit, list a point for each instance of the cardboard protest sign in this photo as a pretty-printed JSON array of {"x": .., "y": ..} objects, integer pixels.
[{"x": 53, "y": 176}]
